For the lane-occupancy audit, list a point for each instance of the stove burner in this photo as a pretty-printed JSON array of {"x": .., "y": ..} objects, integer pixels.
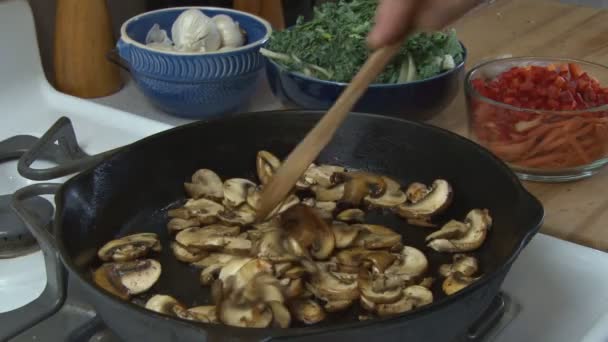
[
  {"x": 15, "y": 239},
  {"x": 58, "y": 145}
]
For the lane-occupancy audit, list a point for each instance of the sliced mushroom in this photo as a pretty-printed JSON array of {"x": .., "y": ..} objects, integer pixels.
[
  {"x": 478, "y": 222},
  {"x": 237, "y": 246},
  {"x": 294, "y": 288},
  {"x": 275, "y": 247},
  {"x": 206, "y": 237},
  {"x": 181, "y": 253},
  {"x": 236, "y": 191},
  {"x": 205, "y": 183},
  {"x": 178, "y": 224},
  {"x": 232, "y": 267},
  {"x": 377, "y": 294},
  {"x": 410, "y": 262},
  {"x": 321, "y": 175},
  {"x": 309, "y": 230},
  {"x": 413, "y": 297},
  {"x": 351, "y": 215},
  {"x": 352, "y": 257},
  {"x": 272, "y": 223},
  {"x": 210, "y": 274},
  {"x": 204, "y": 210},
  {"x": 337, "y": 305},
  {"x": 456, "y": 282},
  {"x": 129, "y": 278},
  {"x": 261, "y": 288},
  {"x": 164, "y": 304},
  {"x": 249, "y": 271},
  {"x": 380, "y": 260},
  {"x": 358, "y": 185},
  {"x": 331, "y": 194},
  {"x": 452, "y": 229},
  {"x": 416, "y": 192},
  {"x": 281, "y": 318},
  {"x": 327, "y": 287},
  {"x": 266, "y": 165},
  {"x": 344, "y": 234},
  {"x": 244, "y": 315},
  {"x": 427, "y": 282},
  {"x": 392, "y": 197},
  {"x": 367, "y": 304},
  {"x": 281, "y": 267},
  {"x": 242, "y": 216},
  {"x": 464, "y": 264},
  {"x": 204, "y": 314},
  {"x": 215, "y": 259},
  {"x": 307, "y": 311},
  {"x": 373, "y": 236},
  {"x": 180, "y": 213},
  {"x": 130, "y": 247},
  {"x": 436, "y": 200}
]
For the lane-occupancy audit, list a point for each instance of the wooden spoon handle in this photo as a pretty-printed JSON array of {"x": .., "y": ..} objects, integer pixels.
[{"x": 309, "y": 148}]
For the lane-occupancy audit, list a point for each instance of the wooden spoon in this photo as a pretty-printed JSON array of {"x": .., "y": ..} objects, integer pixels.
[{"x": 309, "y": 148}]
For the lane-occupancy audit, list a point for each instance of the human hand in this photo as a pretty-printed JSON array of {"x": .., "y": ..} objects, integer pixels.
[{"x": 395, "y": 18}]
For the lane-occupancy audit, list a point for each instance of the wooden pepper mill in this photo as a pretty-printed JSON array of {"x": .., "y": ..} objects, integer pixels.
[{"x": 83, "y": 37}]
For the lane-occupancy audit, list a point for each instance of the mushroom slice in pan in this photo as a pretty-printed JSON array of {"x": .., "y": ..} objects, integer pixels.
[
  {"x": 183, "y": 254},
  {"x": 413, "y": 297},
  {"x": 337, "y": 305},
  {"x": 164, "y": 304},
  {"x": 215, "y": 259},
  {"x": 367, "y": 304},
  {"x": 244, "y": 315},
  {"x": 204, "y": 237},
  {"x": 358, "y": 185},
  {"x": 272, "y": 223},
  {"x": 180, "y": 213},
  {"x": 466, "y": 265},
  {"x": 321, "y": 175},
  {"x": 344, "y": 234},
  {"x": 266, "y": 165},
  {"x": 253, "y": 269},
  {"x": 204, "y": 314},
  {"x": 392, "y": 197},
  {"x": 452, "y": 229},
  {"x": 307, "y": 311},
  {"x": 275, "y": 246},
  {"x": 332, "y": 194},
  {"x": 232, "y": 267},
  {"x": 237, "y": 246},
  {"x": 294, "y": 288},
  {"x": 352, "y": 257},
  {"x": 236, "y": 191},
  {"x": 129, "y": 278},
  {"x": 416, "y": 192},
  {"x": 327, "y": 287},
  {"x": 130, "y": 247},
  {"x": 436, "y": 200},
  {"x": 204, "y": 210},
  {"x": 410, "y": 262},
  {"x": 210, "y": 273},
  {"x": 478, "y": 222},
  {"x": 427, "y": 282},
  {"x": 242, "y": 216},
  {"x": 351, "y": 215},
  {"x": 281, "y": 318},
  {"x": 205, "y": 183},
  {"x": 380, "y": 260},
  {"x": 309, "y": 230},
  {"x": 178, "y": 224},
  {"x": 456, "y": 282},
  {"x": 377, "y": 294},
  {"x": 373, "y": 236}
]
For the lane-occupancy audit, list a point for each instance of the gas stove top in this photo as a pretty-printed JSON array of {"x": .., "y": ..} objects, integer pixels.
[{"x": 555, "y": 291}]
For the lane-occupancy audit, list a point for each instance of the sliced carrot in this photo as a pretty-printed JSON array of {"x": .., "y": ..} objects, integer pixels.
[
  {"x": 542, "y": 160},
  {"x": 578, "y": 149}
]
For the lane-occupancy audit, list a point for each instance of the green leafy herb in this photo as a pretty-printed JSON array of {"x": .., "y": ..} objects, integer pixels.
[{"x": 332, "y": 46}]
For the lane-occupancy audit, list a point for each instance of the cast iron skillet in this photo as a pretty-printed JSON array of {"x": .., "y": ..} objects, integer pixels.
[{"x": 130, "y": 191}]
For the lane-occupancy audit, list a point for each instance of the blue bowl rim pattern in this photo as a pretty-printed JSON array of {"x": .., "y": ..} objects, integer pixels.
[
  {"x": 373, "y": 85},
  {"x": 128, "y": 40}
]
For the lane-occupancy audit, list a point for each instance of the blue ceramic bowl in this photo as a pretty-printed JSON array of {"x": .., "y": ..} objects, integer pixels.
[
  {"x": 418, "y": 100},
  {"x": 194, "y": 85}
]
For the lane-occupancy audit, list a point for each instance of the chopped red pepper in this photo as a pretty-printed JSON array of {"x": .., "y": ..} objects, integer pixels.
[{"x": 541, "y": 139}]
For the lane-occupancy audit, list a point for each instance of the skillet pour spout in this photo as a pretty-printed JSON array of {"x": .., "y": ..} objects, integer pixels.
[{"x": 130, "y": 191}]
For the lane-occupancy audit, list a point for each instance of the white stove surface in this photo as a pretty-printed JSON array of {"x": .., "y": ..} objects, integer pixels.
[{"x": 560, "y": 286}]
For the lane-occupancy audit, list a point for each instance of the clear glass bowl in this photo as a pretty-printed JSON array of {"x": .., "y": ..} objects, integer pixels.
[{"x": 538, "y": 144}]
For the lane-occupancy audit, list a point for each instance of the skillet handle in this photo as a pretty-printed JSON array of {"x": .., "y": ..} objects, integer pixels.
[
  {"x": 53, "y": 296},
  {"x": 58, "y": 144}
]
